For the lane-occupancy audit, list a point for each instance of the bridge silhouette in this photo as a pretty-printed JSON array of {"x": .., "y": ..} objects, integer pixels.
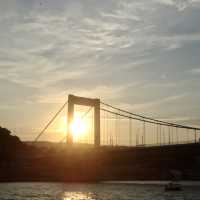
[{"x": 113, "y": 126}]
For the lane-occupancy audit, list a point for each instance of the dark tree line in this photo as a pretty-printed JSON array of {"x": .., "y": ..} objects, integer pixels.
[
  {"x": 9, "y": 144},
  {"x": 7, "y": 139}
]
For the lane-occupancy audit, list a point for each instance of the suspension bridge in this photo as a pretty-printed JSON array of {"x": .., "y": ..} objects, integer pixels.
[{"x": 113, "y": 126}]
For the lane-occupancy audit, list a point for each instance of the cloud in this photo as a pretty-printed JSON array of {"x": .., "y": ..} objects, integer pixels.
[
  {"x": 159, "y": 102},
  {"x": 127, "y": 52},
  {"x": 179, "y": 4},
  {"x": 13, "y": 94},
  {"x": 195, "y": 71}
]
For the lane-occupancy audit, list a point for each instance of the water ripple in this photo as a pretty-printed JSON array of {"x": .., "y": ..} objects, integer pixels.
[{"x": 64, "y": 191}]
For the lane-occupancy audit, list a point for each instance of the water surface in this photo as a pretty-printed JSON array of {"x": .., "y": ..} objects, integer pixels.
[{"x": 101, "y": 191}]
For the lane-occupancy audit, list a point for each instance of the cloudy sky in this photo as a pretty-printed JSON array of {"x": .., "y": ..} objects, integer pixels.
[{"x": 142, "y": 55}]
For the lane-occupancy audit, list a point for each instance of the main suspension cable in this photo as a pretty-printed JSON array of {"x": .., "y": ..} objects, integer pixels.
[
  {"x": 151, "y": 122},
  {"x": 49, "y": 123},
  {"x": 151, "y": 119}
]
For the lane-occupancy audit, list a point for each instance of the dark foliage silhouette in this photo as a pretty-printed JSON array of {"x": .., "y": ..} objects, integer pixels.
[
  {"x": 7, "y": 139},
  {"x": 9, "y": 145}
]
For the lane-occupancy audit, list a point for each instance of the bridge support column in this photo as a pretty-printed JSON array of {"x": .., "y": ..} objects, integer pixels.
[
  {"x": 97, "y": 123},
  {"x": 72, "y": 100},
  {"x": 70, "y": 118}
]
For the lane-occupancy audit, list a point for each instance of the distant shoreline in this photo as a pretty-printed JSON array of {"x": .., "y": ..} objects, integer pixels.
[
  {"x": 182, "y": 182},
  {"x": 32, "y": 163},
  {"x": 158, "y": 183}
]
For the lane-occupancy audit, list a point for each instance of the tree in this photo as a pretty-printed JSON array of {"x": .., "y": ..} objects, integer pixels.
[{"x": 7, "y": 139}]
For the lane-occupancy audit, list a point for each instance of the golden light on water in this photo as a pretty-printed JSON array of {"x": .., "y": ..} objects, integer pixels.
[{"x": 78, "y": 196}]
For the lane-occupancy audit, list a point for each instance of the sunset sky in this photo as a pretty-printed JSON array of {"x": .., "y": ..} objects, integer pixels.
[{"x": 143, "y": 56}]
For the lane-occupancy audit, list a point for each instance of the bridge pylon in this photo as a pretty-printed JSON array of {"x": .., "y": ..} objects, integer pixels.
[{"x": 76, "y": 100}]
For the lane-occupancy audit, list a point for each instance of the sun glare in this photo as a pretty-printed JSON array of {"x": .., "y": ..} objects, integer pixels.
[
  {"x": 78, "y": 127},
  {"x": 62, "y": 125}
]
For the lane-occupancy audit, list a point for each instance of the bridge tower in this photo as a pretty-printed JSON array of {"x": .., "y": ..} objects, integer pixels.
[{"x": 76, "y": 100}]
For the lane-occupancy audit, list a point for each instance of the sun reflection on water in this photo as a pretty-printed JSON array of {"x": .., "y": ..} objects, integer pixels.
[{"x": 77, "y": 196}]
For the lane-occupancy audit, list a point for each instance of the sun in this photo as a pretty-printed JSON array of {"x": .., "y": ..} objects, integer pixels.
[{"x": 78, "y": 128}]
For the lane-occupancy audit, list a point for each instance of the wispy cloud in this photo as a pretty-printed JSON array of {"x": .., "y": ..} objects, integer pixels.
[
  {"x": 162, "y": 102},
  {"x": 195, "y": 71},
  {"x": 132, "y": 53}
]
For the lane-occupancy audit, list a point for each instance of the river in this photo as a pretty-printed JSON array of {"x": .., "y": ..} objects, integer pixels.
[{"x": 101, "y": 191}]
